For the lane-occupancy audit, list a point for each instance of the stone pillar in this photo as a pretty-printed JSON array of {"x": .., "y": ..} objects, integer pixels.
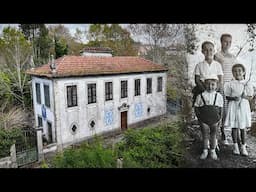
[
  {"x": 13, "y": 156},
  {"x": 119, "y": 163},
  {"x": 40, "y": 144}
]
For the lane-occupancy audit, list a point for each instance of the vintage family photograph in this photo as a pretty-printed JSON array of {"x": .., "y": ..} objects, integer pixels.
[{"x": 127, "y": 95}]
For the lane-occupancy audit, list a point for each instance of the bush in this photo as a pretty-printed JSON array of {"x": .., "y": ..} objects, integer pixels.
[
  {"x": 153, "y": 147},
  {"x": 44, "y": 164},
  {"x": 7, "y": 139},
  {"x": 92, "y": 155}
]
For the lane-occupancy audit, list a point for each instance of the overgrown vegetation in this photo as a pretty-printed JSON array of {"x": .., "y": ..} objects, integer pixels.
[
  {"x": 8, "y": 137},
  {"x": 11, "y": 123},
  {"x": 93, "y": 155},
  {"x": 151, "y": 147}
]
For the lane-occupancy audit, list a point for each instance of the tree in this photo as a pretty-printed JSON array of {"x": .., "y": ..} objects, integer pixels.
[
  {"x": 191, "y": 40},
  {"x": 168, "y": 44},
  {"x": 61, "y": 48},
  {"x": 251, "y": 35},
  {"x": 66, "y": 44},
  {"x": 39, "y": 37},
  {"x": 15, "y": 51},
  {"x": 78, "y": 36},
  {"x": 159, "y": 38},
  {"x": 112, "y": 36}
]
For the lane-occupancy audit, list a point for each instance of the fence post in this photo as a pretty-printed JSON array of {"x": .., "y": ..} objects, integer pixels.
[
  {"x": 39, "y": 144},
  {"x": 13, "y": 156}
]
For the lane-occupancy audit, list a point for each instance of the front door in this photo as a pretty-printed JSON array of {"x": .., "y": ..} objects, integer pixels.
[
  {"x": 49, "y": 125},
  {"x": 124, "y": 120}
]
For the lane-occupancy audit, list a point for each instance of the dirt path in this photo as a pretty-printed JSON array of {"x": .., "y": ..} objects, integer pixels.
[{"x": 226, "y": 158}]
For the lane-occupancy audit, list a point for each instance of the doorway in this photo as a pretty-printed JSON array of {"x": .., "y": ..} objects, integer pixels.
[{"x": 123, "y": 120}]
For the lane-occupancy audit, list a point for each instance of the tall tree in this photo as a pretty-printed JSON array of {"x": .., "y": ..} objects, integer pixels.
[
  {"x": 61, "y": 48},
  {"x": 168, "y": 44},
  {"x": 15, "y": 51},
  {"x": 65, "y": 42},
  {"x": 159, "y": 38},
  {"x": 38, "y": 35},
  {"x": 112, "y": 36},
  {"x": 78, "y": 36},
  {"x": 191, "y": 40}
]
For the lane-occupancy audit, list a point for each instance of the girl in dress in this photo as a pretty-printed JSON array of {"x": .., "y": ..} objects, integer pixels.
[{"x": 238, "y": 92}]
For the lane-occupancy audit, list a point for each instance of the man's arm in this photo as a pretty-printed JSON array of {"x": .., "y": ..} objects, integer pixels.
[
  {"x": 220, "y": 84},
  {"x": 199, "y": 83}
]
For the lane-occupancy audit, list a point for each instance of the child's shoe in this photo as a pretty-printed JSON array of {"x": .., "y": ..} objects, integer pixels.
[
  {"x": 236, "y": 149},
  {"x": 213, "y": 154},
  {"x": 243, "y": 150},
  {"x": 204, "y": 154}
]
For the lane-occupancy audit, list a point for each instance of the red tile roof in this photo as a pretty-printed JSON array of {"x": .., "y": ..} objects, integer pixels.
[{"x": 69, "y": 66}]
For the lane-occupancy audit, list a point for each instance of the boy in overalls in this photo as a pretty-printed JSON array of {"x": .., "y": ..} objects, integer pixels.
[{"x": 208, "y": 109}]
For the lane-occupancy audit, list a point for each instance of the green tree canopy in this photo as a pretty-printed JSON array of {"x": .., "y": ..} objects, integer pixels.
[
  {"x": 112, "y": 36},
  {"x": 64, "y": 42},
  {"x": 15, "y": 52},
  {"x": 38, "y": 35}
]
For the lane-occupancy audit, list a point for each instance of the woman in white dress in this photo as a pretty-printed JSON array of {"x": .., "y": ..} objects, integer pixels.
[{"x": 238, "y": 92}]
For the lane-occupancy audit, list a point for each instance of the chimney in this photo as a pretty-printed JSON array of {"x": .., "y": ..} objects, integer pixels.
[
  {"x": 52, "y": 65},
  {"x": 97, "y": 51}
]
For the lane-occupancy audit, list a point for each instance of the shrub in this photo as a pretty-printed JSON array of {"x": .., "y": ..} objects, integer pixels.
[
  {"x": 7, "y": 139},
  {"x": 13, "y": 118},
  {"x": 152, "y": 147},
  {"x": 92, "y": 155},
  {"x": 44, "y": 164}
]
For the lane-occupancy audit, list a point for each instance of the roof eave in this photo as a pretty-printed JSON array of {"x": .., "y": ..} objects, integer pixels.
[{"x": 93, "y": 74}]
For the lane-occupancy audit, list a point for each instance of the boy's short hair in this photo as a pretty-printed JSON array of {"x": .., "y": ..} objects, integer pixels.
[
  {"x": 225, "y": 35},
  {"x": 205, "y": 43}
]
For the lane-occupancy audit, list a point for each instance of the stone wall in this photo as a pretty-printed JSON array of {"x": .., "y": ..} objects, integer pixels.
[{"x": 9, "y": 162}]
